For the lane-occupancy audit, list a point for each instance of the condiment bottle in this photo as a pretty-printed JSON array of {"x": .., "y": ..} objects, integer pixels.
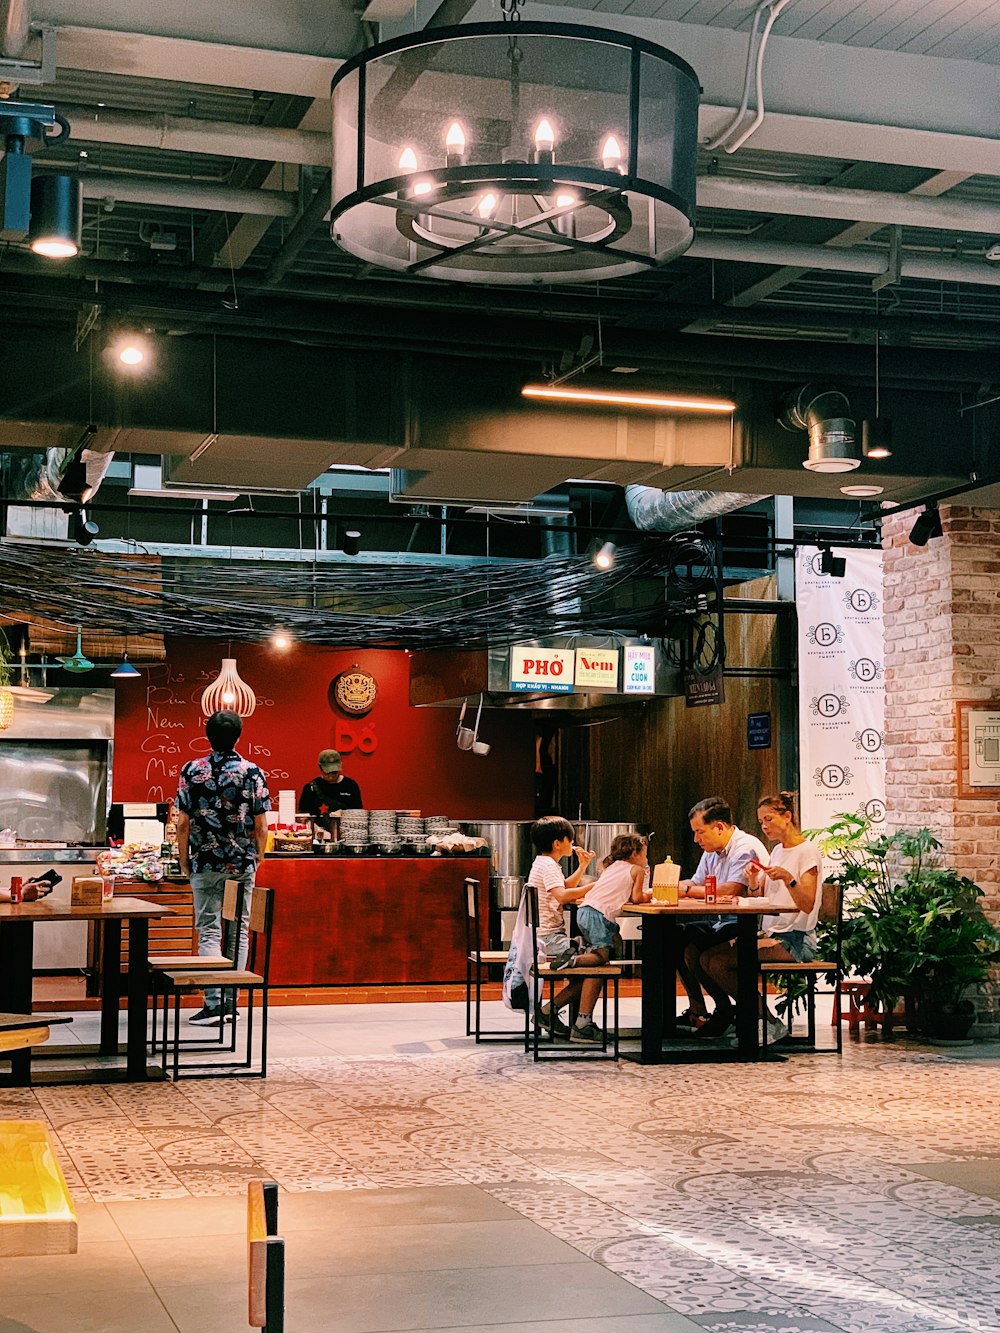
[
  {"x": 15, "y": 888},
  {"x": 711, "y": 894}
]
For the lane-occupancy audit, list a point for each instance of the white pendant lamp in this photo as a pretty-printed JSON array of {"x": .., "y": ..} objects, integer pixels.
[{"x": 227, "y": 693}]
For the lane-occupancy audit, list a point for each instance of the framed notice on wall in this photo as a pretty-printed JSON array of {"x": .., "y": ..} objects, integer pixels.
[{"x": 977, "y": 728}]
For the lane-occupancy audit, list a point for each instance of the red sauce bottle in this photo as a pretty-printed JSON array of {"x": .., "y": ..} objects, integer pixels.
[{"x": 711, "y": 893}]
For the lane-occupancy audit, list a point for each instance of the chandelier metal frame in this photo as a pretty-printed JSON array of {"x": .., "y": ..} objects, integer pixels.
[{"x": 580, "y": 237}]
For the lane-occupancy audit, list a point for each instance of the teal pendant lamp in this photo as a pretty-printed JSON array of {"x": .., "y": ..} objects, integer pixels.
[{"x": 78, "y": 662}]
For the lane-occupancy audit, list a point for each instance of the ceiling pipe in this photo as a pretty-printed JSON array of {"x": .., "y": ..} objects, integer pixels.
[
  {"x": 179, "y": 194},
  {"x": 186, "y": 134},
  {"x": 824, "y": 201},
  {"x": 835, "y": 260},
  {"x": 653, "y": 510},
  {"x": 826, "y": 415}
]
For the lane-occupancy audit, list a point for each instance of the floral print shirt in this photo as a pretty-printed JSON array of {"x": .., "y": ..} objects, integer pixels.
[{"x": 222, "y": 794}]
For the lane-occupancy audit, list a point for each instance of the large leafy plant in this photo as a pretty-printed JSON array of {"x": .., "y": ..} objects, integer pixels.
[{"x": 911, "y": 922}]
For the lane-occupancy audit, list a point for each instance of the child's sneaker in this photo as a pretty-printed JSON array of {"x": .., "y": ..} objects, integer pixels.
[
  {"x": 563, "y": 960},
  {"x": 589, "y": 1032},
  {"x": 551, "y": 1022}
]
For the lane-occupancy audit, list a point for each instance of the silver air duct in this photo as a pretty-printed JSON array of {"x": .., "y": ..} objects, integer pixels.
[
  {"x": 826, "y": 414},
  {"x": 653, "y": 510}
]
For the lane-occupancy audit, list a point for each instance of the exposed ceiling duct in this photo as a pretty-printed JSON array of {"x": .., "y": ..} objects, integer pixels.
[
  {"x": 826, "y": 415},
  {"x": 43, "y": 476},
  {"x": 653, "y": 510}
]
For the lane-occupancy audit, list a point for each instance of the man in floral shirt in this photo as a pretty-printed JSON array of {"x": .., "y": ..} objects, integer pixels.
[{"x": 222, "y": 804}]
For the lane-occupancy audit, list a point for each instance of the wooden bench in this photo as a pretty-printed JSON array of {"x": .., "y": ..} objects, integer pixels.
[
  {"x": 36, "y": 1212},
  {"x": 265, "y": 1258}
]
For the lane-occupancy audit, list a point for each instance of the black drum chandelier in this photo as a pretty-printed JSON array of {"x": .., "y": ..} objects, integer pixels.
[{"x": 515, "y": 152}]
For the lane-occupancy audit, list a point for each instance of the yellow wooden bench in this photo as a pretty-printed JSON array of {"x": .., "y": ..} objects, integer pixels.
[
  {"x": 265, "y": 1258},
  {"x": 36, "y": 1212}
]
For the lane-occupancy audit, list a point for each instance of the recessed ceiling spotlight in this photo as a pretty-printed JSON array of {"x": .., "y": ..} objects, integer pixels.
[
  {"x": 861, "y": 492},
  {"x": 281, "y": 640}
]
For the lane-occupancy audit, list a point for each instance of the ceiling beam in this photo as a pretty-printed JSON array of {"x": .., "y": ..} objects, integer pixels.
[
  {"x": 215, "y": 64},
  {"x": 856, "y": 234}
]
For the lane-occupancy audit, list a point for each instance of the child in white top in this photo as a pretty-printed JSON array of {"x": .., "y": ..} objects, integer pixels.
[
  {"x": 552, "y": 838},
  {"x": 623, "y": 881}
]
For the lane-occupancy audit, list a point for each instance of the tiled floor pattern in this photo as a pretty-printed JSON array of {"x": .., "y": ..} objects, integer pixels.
[{"x": 430, "y": 1184}]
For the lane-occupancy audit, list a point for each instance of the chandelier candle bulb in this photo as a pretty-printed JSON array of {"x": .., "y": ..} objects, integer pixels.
[
  {"x": 407, "y": 160},
  {"x": 486, "y": 206},
  {"x": 611, "y": 155},
  {"x": 545, "y": 142},
  {"x": 454, "y": 144}
]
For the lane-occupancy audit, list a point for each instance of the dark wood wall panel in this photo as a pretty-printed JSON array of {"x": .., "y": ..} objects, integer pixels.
[{"x": 653, "y": 764}]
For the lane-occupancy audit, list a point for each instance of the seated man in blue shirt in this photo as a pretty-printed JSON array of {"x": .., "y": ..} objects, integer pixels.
[{"x": 726, "y": 853}]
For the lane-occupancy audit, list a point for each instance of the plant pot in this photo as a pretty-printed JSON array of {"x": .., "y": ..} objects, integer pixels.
[{"x": 949, "y": 1021}]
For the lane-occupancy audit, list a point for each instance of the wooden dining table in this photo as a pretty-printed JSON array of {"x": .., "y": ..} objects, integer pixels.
[
  {"x": 660, "y": 952},
  {"x": 18, "y": 922}
]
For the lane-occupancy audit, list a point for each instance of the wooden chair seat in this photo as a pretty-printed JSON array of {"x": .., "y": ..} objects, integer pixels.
[
  {"x": 224, "y": 977},
  {"x": 172, "y": 962},
  {"x": 608, "y": 971},
  {"x": 36, "y": 1211},
  {"x": 488, "y": 955}
]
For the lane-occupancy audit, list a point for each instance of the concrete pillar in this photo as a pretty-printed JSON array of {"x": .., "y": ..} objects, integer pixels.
[{"x": 942, "y": 644}]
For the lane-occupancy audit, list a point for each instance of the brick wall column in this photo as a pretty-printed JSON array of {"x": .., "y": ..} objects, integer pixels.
[{"x": 942, "y": 644}]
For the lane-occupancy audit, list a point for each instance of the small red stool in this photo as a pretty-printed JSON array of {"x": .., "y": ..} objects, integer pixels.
[{"x": 861, "y": 1008}]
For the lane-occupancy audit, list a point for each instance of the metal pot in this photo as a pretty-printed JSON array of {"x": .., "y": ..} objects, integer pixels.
[
  {"x": 509, "y": 842},
  {"x": 599, "y": 837},
  {"x": 506, "y": 890}
]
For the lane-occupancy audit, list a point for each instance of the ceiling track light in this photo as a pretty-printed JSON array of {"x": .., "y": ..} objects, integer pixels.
[
  {"x": 350, "y": 542},
  {"x": 663, "y": 402},
  {"x": 927, "y": 526},
  {"x": 834, "y": 565},
  {"x": 281, "y": 640},
  {"x": 56, "y": 225},
  {"x": 83, "y": 530}
]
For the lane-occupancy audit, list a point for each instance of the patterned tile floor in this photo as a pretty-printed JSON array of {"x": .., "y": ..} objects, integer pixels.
[{"x": 859, "y": 1195}]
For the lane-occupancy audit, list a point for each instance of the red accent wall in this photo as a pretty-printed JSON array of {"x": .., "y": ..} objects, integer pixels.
[{"x": 415, "y": 763}]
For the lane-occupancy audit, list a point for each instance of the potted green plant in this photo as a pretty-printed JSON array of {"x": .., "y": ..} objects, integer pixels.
[{"x": 912, "y": 924}]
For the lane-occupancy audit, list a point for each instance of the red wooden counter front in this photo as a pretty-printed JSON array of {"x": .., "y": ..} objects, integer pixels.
[{"x": 353, "y": 921}]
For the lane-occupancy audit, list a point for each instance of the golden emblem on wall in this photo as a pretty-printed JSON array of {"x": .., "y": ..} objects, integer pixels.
[{"x": 354, "y": 691}]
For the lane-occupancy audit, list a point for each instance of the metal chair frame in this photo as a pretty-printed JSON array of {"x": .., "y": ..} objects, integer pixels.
[
  {"x": 812, "y": 971},
  {"x": 476, "y": 960},
  {"x": 550, "y": 976},
  {"x": 177, "y": 984},
  {"x": 232, "y": 914}
]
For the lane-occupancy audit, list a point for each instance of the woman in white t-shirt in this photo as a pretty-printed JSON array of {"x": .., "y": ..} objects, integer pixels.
[{"x": 793, "y": 877}]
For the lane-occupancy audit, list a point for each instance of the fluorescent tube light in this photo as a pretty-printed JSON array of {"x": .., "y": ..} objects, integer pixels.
[{"x": 668, "y": 402}]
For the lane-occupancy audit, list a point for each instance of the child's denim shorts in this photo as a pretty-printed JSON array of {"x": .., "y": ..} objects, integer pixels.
[{"x": 597, "y": 930}]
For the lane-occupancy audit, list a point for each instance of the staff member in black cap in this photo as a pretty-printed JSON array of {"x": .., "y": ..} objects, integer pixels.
[{"x": 330, "y": 790}]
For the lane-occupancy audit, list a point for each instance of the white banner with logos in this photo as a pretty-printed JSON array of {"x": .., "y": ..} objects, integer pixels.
[{"x": 841, "y": 687}]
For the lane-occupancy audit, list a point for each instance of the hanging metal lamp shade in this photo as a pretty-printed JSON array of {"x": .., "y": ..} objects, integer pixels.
[
  {"x": 515, "y": 153},
  {"x": 228, "y": 694}
]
